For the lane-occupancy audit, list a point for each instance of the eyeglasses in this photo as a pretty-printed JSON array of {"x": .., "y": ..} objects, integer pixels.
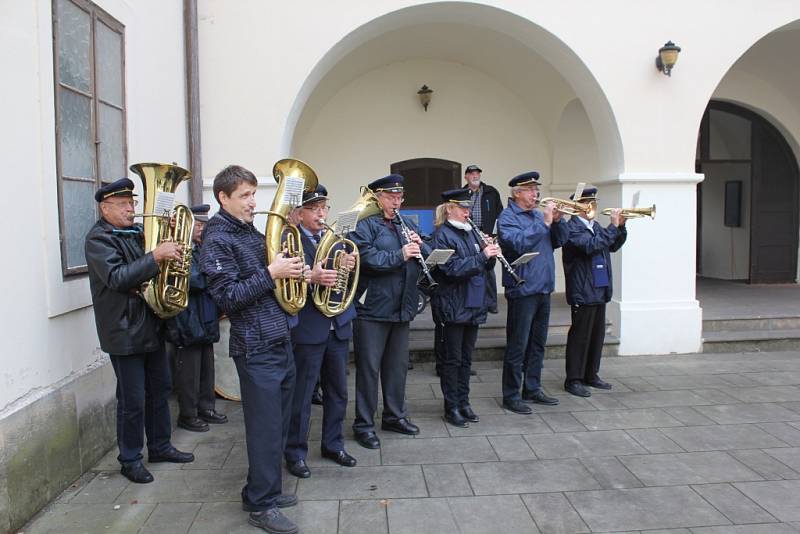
[
  {"x": 394, "y": 197},
  {"x": 122, "y": 203},
  {"x": 317, "y": 209}
]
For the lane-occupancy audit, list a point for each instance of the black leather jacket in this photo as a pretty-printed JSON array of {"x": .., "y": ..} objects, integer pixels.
[{"x": 117, "y": 268}]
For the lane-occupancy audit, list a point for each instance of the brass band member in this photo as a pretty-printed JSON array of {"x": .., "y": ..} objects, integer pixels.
[
  {"x": 387, "y": 299},
  {"x": 129, "y": 331},
  {"x": 321, "y": 345},
  {"x": 462, "y": 299},
  {"x": 587, "y": 268},
  {"x": 243, "y": 286},
  {"x": 523, "y": 229}
]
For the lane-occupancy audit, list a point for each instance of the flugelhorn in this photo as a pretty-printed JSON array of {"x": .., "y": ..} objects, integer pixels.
[
  {"x": 168, "y": 293},
  {"x": 331, "y": 252},
  {"x": 570, "y": 207},
  {"x": 283, "y": 237},
  {"x": 634, "y": 213}
]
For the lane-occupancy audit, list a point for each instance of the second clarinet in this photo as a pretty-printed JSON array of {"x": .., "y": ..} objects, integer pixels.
[
  {"x": 486, "y": 240},
  {"x": 426, "y": 272}
]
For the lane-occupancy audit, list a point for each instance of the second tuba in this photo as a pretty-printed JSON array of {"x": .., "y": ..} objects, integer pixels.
[
  {"x": 281, "y": 235},
  {"x": 168, "y": 293},
  {"x": 331, "y": 301}
]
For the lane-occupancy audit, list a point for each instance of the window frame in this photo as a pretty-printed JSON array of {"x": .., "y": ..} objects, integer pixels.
[
  {"x": 97, "y": 16},
  {"x": 453, "y": 167}
]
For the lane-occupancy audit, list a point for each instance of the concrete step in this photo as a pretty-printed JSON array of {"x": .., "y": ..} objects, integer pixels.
[
  {"x": 752, "y": 324},
  {"x": 760, "y": 340}
]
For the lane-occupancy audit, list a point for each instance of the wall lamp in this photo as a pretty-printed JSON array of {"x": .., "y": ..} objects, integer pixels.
[
  {"x": 424, "y": 95},
  {"x": 667, "y": 57}
]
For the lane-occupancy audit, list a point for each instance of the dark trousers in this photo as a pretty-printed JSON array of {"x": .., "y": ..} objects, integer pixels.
[
  {"x": 143, "y": 387},
  {"x": 267, "y": 384},
  {"x": 329, "y": 362},
  {"x": 585, "y": 342},
  {"x": 381, "y": 351},
  {"x": 459, "y": 342},
  {"x": 526, "y": 331},
  {"x": 194, "y": 379},
  {"x": 438, "y": 346}
]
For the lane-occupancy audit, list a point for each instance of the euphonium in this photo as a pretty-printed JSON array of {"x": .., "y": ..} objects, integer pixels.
[
  {"x": 332, "y": 248},
  {"x": 634, "y": 213},
  {"x": 570, "y": 207},
  {"x": 281, "y": 236},
  {"x": 168, "y": 293}
]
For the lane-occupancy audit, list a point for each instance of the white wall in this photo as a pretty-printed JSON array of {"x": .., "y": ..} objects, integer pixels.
[{"x": 46, "y": 327}]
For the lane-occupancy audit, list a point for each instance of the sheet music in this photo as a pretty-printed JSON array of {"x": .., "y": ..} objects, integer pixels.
[
  {"x": 439, "y": 256},
  {"x": 579, "y": 190},
  {"x": 525, "y": 258},
  {"x": 164, "y": 203},
  {"x": 293, "y": 191},
  {"x": 346, "y": 222}
]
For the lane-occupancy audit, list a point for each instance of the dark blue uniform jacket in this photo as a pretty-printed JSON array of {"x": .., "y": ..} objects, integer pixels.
[
  {"x": 462, "y": 295},
  {"x": 390, "y": 282},
  {"x": 313, "y": 327},
  {"x": 520, "y": 231},
  {"x": 584, "y": 249},
  {"x": 198, "y": 324},
  {"x": 233, "y": 259}
]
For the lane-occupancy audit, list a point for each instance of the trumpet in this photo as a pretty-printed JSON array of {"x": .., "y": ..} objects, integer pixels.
[
  {"x": 486, "y": 240},
  {"x": 634, "y": 213},
  {"x": 570, "y": 207}
]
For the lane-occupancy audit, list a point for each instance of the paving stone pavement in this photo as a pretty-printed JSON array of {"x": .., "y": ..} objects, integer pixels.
[{"x": 703, "y": 443}]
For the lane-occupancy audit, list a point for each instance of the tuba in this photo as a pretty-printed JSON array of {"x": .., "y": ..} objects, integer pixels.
[
  {"x": 332, "y": 301},
  {"x": 281, "y": 235},
  {"x": 168, "y": 293},
  {"x": 634, "y": 213},
  {"x": 570, "y": 207}
]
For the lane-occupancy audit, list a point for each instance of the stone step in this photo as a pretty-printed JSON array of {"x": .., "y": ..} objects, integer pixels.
[
  {"x": 752, "y": 324},
  {"x": 751, "y": 340}
]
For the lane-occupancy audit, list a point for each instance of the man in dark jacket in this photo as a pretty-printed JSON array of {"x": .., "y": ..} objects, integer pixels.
[
  {"x": 523, "y": 229},
  {"x": 242, "y": 285},
  {"x": 484, "y": 210},
  {"x": 587, "y": 268},
  {"x": 194, "y": 332},
  {"x": 321, "y": 345},
  {"x": 129, "y": 331},
  {"x": 386, "y": 301}
]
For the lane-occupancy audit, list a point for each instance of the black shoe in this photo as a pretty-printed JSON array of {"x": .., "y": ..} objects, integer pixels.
[
  {"x": 473, "y": 372},
  {"x": 316, "y": 398},
  {"x": 576, "y": 388},
  {"x": 340, "y": 457},
  {"x": 299, "y": 469},
  {"x": 401, "y": 426},
  {"x": 368, "y": 440},
  {"x": 192, "y": 424},
  {"x": 469, "y": 415},
  {"x": 455, "y": 418},
  {"x": 212, "y": 416},
  {"x": 517, "y": 406},
  {"x": 284, "y": 500},
  {"x": 539, "y": 397},
  {"x": 272, "y": 521},
  {"x": 410, "y": 365},
  {"x": 136, "y": 472},
  {"x": 173, "y": 455},
  {"x": 599, "y": 384}
]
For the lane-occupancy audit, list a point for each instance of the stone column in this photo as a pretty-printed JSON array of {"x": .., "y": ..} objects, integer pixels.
[{"x": 654, "y": 309}]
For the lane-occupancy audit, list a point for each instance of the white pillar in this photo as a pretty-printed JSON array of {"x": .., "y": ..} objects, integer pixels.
[{"x": 654, "y": 309}]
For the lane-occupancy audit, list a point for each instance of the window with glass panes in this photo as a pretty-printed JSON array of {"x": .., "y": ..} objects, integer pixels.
[{"x": 89, "y": 66}]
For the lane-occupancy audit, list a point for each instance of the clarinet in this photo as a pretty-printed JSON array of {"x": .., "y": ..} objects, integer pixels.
[
  {"x": 486, "y": 240},
  {"x": 431, "y": 283}
]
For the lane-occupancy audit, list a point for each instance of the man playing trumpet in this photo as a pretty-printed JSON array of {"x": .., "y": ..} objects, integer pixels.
[
  {"x": 587, "y": 268},
  {"x": 321, "y": 345}
]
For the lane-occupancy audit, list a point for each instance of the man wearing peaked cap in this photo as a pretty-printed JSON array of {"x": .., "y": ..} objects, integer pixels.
[
  {"x": 522, "y": 229},
  {"x": 320, "y": 345},
  {"x": 587, "y": 269},
  {"x": 129, "y": 331},
  {"x": 386, "y": 301},
  {"x": 484, "y": 210},
  {"x": 194, "y": 332}
]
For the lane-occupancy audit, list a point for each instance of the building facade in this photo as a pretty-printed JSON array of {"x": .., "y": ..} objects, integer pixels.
[{"x": 570, "y": 90}]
